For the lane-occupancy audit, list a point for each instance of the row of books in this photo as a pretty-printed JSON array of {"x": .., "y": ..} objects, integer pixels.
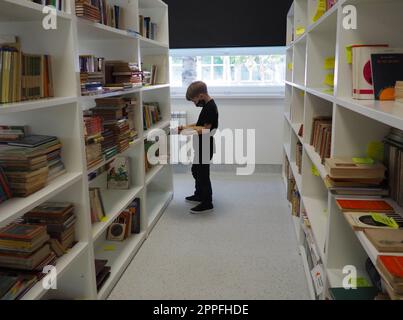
[
  {"x": 58, "y": 4},
  {"x": 394, "y": 163},
  {"x": 375, "y": 71},
  {"x": 23, "y": 76},
  {"x": 121, "y": 73},
  {"x": 321, "y": 136},
  {"x": 101, "y": 11},
  {"x": 35, "y": 241},
  {"x": 93, "y": 138},
  {"x": 30, "y": 163},
  {"x": 147, "y": 28},
  {"x": 126, "y": 224},
  {"x": 151, "y": 114}
]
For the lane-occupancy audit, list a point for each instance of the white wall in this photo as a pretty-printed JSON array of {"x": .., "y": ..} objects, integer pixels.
[{"x": 263, "y": 115}]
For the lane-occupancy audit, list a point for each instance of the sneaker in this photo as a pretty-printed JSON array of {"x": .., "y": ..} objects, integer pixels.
[
  {"x": 202, "y": 208},
  {"x": 193, "y": 199}
]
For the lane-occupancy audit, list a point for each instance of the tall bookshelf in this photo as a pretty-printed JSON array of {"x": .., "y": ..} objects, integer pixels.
[
  {"x": 62, "y": 116},
  {"x": 355, "y": 124}
]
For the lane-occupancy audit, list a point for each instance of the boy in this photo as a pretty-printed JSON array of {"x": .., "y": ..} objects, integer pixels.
[{"x": 203, "y": 145}]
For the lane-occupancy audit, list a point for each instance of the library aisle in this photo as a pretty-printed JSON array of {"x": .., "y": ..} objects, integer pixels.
[{"x": 246, "y": 249}]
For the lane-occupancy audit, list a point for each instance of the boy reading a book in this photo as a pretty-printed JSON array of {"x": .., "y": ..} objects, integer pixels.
[{"x": 203, "y": 145}]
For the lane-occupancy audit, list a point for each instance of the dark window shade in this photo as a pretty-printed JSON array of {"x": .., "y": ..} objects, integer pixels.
[{"x": 227, "y": 23}]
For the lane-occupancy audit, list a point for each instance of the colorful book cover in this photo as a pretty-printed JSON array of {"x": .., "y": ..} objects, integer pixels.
[
  {"x": 119, "y": 173},
  {"x": 386, "y": 70}
]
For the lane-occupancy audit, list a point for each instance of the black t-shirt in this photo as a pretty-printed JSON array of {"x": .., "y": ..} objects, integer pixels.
[{"x": 208, "y": 115}]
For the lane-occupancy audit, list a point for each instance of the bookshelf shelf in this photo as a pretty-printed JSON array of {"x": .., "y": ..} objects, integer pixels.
[
  {"x": 37, "y": 292},
  {"x": 16, "y": 207},
  {"x": 321, "y": 93},
  {"x": 153, "y": 172},
  {"x": 310, "y": 151},
  {"x": 119, "y": 255},
  {"x": 23, "y": 10},
  {"x": 73, "y": 37},
  {"x": 307, "y": 272},
  {"x": 114, "y": 209},
  {"x": 35, "y": 104},
  {"x": 296, "y": 85}
]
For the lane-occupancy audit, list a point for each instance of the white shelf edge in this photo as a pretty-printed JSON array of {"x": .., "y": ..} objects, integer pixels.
[
  {"x": 287, "y": 150},
  {"x": 152, "y": 173},
  {"x": 84, "y": 99},
  {"x": 318, "y": 92},
  {"x": 155, "y": 87},
  {"x": 295, "y": 127},
  {"x": 37, "y": 291},
  {"x": 308, "y": 277},
  {"x": 12, "y": 209},
  {"x": 117, "y": 270},
  {"x": 153, "y": 43},
  {"x": 158, "y": 125},
  {"x": 35, "y": 104},
  {"x": 99, "y": 227},
  {"x": 316, "y": 160},
  {"x": 104, "y": 28},
  {"x": 296, "y": 85},
  {"x": 38, "y": 8},
  {"x": 156, "y": 214}
]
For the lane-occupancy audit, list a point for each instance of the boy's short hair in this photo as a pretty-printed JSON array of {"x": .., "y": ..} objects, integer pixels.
[{"x": 196, "y": 88}]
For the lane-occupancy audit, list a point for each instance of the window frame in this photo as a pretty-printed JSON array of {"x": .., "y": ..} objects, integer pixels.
[{"x": 258, "y": 91}]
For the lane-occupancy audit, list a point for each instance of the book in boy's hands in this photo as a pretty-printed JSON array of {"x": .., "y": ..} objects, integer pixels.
[
  {"x": 119, "y": 173},
  {"x": 387, "y": 69},
  {"x": 386, "y": 240},
  {"x": 33, "y": 140},
  {"x": 363, "y": 205}
]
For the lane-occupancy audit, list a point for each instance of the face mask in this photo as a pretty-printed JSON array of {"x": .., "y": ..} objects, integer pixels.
[{"x": 201, "y": 104}]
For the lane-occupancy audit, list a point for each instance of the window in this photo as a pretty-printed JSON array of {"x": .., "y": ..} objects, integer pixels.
[{"x": 231, "y": 71}]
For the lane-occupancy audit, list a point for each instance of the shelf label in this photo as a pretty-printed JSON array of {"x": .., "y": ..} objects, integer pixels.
[
  {"x": 320, "y": 10},
  {"x": 359, "y": 282},
  {"x": 329, "y": 79},
  {"x": 317, "y": 277},
  {"x": 302, "y": 94},
  {"x": 290, "y": 66},
  {"x": 110, "y": 248},
  {"x": 330, "y": 63},
  {"x": 363, "y": 161},
  {"x": 104, "y": 219},
  {"x": 349, "y": 54},
  {"x": 299, "y": 31},
  {"x": 384, "y": 219},
  {"x": 375, "y": 150},
  {"x": 329, "y": 91},
  {"x": 315, "y": 171}
]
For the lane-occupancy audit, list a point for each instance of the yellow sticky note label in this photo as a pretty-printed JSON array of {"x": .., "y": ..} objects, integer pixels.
[
  {"x": 302, "y": 94},
  {"x": 320, "y": 10},
  {"x": 349, "y": 54},
  {"x": 363, "y": 161},
  {"x": 384, "y": 219},
  {"x": 315, "y": 171},
  {"x": 329, "y": 91},
  {"x": 359, "y": 282},
  {"x": 375, "y": 150},
  {"x": 330, "y": 63},
  {"x": 299, "y": 31},
  {"x": 109, "y": 248},
  {"x": 290, "y": 66},
  {"x": 329, "y": 80},
  {"x": 104, "y": 219}
]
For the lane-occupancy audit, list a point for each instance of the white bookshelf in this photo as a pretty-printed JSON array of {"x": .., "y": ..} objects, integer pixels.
[
  {"x": 62, "y": 116},
  {"x": 355, "y": 123}
]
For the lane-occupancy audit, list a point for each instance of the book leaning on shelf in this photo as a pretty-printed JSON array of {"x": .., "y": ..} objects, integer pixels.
[
  {"x": 118, "y": 176},
  {"x": 151, "y": 114},
  {"x": 96, "y": 204},
  {"x": 126, "y": 224}
]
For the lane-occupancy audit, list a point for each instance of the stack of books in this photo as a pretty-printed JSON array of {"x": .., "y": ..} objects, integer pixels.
[
  {"x": 97, "y": 206},
  {"x": 391, "y": 270},
  {"x": 121, "y": 131},
  {"x": 394, "y": 163},
  {"x": 355, "y": 177},
  {"x": 93, "y": 137},
  {"x": 85, "y": 9},
  {"x": 25, "y": 163},
  {"x": 102, "y": 272},
  {"x": 151, "y": 114},
  {"x": 131, "y": 103},
  {"x": 321, "y": 136},
  {"x": 123, "y": 75},
  {"x": 399, "y": 91},
  {"x": 25, "y": 247},
  {"x": 91, "y": 74},
  {"x": 109, "y": 146},
  {"x": 59, "y": 219},
  {"x": 5, "y": 190}
]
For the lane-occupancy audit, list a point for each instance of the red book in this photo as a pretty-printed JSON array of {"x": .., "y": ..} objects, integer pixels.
[
  {"x": 393, "y": 266},
  {"x": 356, "y": 205}
]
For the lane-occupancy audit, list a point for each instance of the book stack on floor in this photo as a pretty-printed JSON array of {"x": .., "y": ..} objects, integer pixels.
[
  {"x": 391, "y": 270},
  {"x": 87, "y": 10},
  {"x": 321, "y": 136},
  {"x": 24, "y": 252},
  {"x": 97, "y": 206},
  {"x": 151, "y": 114},
  {"x": 59, "y": 219},
  {"x": 356, "y": 176},
  {"x": 29, "y": 163},
  {"x": 394, "y": 163},
  {"x": 126, "y": 224},
  {"x": 93, "y": 139},
  {"x": 102, "y": 272},
  {"x": 91, "y": 74},
  {"x": 121, "y": 75}
]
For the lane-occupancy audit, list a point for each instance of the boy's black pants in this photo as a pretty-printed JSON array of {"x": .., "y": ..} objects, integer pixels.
[{"x": 201, "y": 174}]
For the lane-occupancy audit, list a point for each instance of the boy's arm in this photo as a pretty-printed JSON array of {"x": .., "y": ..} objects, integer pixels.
[{"x": 197, "y": 129}]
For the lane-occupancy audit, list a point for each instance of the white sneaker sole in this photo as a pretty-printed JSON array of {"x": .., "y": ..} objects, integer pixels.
[
  {"x": 204, "y": 211},
  {"x": 192, "y": 201}
]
